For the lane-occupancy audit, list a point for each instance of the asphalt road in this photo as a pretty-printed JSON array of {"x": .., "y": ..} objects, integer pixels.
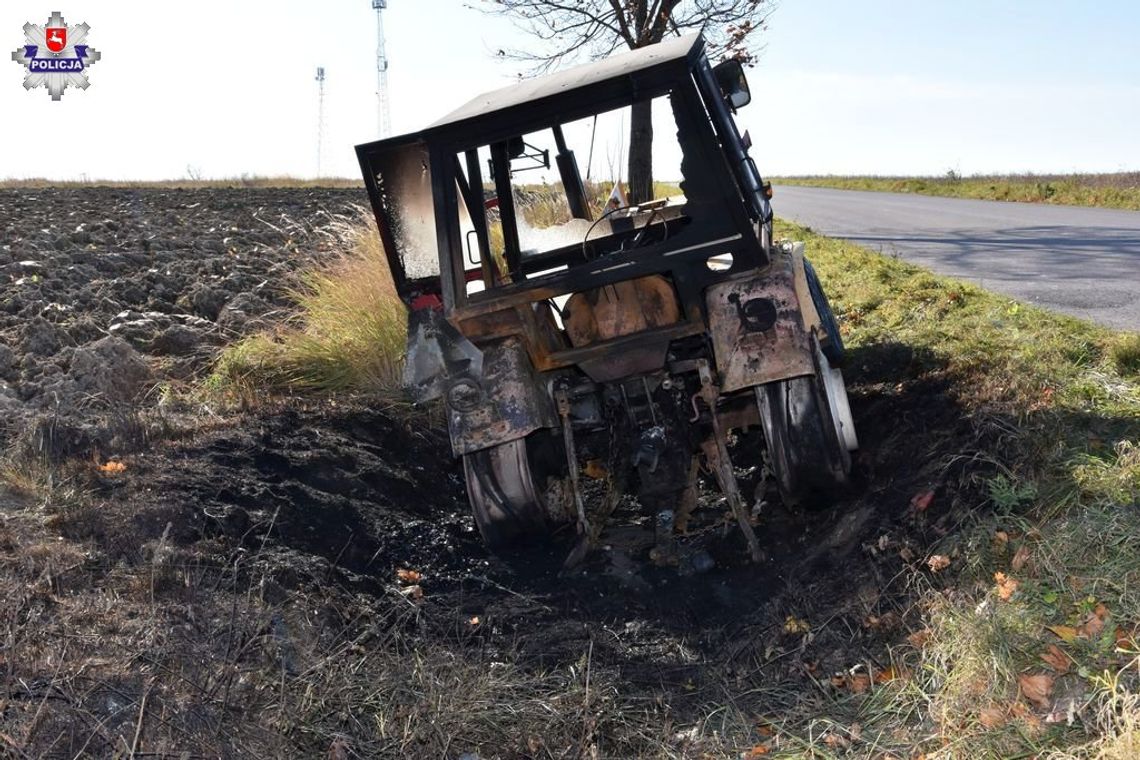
[{"x": 1080, "y": 261}]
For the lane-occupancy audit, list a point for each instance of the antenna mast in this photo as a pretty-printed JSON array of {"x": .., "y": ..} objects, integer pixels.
[
  {"x": 383, "y": 115},
  {"x": 320, "y": 114}
]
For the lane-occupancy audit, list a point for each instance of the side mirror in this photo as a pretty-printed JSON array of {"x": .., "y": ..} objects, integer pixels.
[{"x": 732, "y": 82}]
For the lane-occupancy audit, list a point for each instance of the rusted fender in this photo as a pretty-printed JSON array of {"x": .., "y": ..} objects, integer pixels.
[
  {"x": 506, "y": 401},
  {"x": 761, "y": 323}
]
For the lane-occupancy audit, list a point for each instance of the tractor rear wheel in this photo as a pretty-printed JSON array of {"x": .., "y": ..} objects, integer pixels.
[
  {"x": 506, "y": 494},
  {"x": 809, "y": 431}
]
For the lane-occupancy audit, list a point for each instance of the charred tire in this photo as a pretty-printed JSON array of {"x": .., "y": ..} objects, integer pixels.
[
  {"x": 809, "y": 453},
  {"x": 506, "y": 494},
  {"x": 833, "y": 345}
]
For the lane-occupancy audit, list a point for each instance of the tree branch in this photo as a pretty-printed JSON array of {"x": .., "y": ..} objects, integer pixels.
[
  {"x": 622, "y": 23},
  {"x": 569, "y": 29}
]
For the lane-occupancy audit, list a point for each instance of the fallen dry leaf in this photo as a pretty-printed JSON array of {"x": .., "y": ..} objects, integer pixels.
[
  {"x": 838, "y": 682},
  {"x": 835, "y": 741},
  {"x": 404, "y": 575},
  {"x": 1036, "y": 688},
  {"x": 1066, "y": 633},
  {"x": 595, "y": 469},
  {"x": 918, "y": 639},
  {"x": 991, "y": 717},
  {"x": 758, "y": 751},
  {"x": 1020, "y": 558},
  {"x": 1055, "y": 658},
  {"x": 1094, "y": 623},
  {"x": 1091, "y": 628},
  {"x": 920, "y": 502},
  {"x": 1034, "y": 726},
  {"x": 1125, "y": 640},
  {"x": 886, "y": 674},
  {"x": 885, "y": 622},
  {"x": 938, "y": 562},
  {"x": 338, "y": 750},
  {"x": 794, "y": 625},
  {"x": 412, "y": 592},
  {"x": 1023, "y": 713},
  {"x": 1001, "y": 537},
  {"x": 1005, "y": 586},
  {"x": 859, "y": 683},
  {"x": 112, "y": 468}
]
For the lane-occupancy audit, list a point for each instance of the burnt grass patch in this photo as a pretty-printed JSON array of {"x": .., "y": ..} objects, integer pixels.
[{"x": 261, "y": 549}]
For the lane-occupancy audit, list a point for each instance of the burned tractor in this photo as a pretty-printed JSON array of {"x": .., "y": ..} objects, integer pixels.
[{"x": 569, "y": 337}]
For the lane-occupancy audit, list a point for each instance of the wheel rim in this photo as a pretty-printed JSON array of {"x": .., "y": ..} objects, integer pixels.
[{"x": 835, "y": 391}]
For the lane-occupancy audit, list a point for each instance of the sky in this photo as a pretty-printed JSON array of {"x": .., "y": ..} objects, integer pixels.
[{"x": 222, "y": 89}]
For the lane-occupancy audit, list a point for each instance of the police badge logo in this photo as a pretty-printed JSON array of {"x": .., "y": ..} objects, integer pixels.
[
  {"x": 65, "y": 62},
  {"x": 56, "y": 39}
]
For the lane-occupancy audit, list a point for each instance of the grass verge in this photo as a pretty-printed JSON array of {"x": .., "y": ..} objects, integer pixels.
[
  {"x": 1029, "y": 642},
  {"x": 1121, "y": 190}
]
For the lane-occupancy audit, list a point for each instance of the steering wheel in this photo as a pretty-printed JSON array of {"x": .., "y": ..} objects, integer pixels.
[
  {"x": 586, "y": 237},
  {"x": 637, "y": 238}
]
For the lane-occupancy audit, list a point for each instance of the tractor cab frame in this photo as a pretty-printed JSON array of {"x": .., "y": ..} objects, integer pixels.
[{"x": 634, "y": 335}]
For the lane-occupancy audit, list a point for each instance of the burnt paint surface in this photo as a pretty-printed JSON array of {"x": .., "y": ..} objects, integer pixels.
[
  {"x": 747, "y": 357},
  {"x": 514, "y": 402}
]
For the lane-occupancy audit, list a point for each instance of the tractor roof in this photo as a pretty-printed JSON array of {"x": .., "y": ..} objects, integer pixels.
[{"x": 575, "y": 78}]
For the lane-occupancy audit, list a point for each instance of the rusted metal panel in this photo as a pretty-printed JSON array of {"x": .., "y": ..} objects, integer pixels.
[
  {"x": 644, "y": 356},
  {"x": 616, "y": 347},
  {"x": 620, "y": 309},
  {"x": 495, "y": 324},
  {"x": 757, "y": 328},
  {"x": 507, "y": 402}
]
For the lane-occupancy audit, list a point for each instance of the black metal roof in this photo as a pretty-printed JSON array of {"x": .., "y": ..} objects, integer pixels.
[{"x": 575, "y": 78}]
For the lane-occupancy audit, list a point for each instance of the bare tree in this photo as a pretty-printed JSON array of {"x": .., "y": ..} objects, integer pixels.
[{"x": 572, "y": 29}]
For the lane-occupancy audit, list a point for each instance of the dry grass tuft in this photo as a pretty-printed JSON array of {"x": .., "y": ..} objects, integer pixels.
[
  {"x": 348, "y": 334},
  {"x": 1126, "y": 354},
  {"x": 1116, "y": 718}
]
